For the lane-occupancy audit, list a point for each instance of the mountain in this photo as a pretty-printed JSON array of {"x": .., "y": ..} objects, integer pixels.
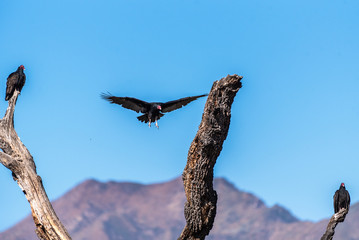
[{"x": 128, "y": 211}]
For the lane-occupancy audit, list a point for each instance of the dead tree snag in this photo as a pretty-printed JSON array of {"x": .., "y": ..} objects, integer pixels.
[
  {"x": 200, "y": 208},
  {"x": 19, "y": 161},
  {"x": 333, "y": 222}
]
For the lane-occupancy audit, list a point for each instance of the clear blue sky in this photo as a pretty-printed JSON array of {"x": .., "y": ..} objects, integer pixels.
[{"x": 294, "y": 133}]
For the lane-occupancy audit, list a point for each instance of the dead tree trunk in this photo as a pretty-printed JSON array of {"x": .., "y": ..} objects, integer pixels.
[
  {"x": 200, "y": 208},
  {"x": 333, "y": 222},
  {"x": 18, "y": 159}
]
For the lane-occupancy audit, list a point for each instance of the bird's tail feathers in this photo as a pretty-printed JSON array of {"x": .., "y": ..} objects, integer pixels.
[
  {"x": 8, "y": 95},
  {"x": 143, "y": 118}
]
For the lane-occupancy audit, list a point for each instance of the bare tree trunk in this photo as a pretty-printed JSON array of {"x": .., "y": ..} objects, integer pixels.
[
  {"x": 200, "y": 208},
  {"x": 18, "y": 159},
  {"x": 333, "y": 222}
]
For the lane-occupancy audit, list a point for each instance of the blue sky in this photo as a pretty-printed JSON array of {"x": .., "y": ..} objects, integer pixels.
[{"x": 294, "y": 130}]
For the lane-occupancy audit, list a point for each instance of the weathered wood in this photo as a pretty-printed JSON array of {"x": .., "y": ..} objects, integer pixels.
[
  {"x": 200, "y": 208},
  {"x": 18, "y": 159},
  {"x": 333, "y": 222}
]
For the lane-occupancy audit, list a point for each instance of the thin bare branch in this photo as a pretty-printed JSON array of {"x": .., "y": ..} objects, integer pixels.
[
  {"x": 17, "y": 158},
  {"x": 9, "y": 114}
]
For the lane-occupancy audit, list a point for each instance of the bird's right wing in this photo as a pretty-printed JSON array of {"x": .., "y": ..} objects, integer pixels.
[
  {"x": 335, "y": 201},
  {"x": 127, "y": 102},
  {"x": 13, "y": 77}
]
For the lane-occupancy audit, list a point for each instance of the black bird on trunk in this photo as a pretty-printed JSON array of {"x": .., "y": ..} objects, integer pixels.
[
  {"x": 153, "y": 111},
  {"x": 15, "y": 81},
  {"x": 341, "y": 199}
]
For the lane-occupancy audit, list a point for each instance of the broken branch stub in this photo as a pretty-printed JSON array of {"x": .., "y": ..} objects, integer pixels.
[
  {"x": 200, "y": 208},
  {"x": 18, "y": 160}
]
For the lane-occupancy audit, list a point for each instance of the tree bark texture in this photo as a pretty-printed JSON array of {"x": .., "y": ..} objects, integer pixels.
[
  {"x": 200, "y": 208},
  {"x": 18, "y": 159},
  {"x": 333, "y": 222}
]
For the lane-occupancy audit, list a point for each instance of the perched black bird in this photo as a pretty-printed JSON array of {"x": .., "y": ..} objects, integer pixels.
[
  {"x": 341, "y": 199},
  {"x": 153, "y": 111},
  {"x": 16, "y": 80}
]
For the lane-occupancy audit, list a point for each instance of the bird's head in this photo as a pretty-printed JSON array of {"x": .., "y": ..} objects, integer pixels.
[
  {"x": 22, "y": 67},
  {"x": 159, "y": 107},
  {"x": 342, "y": 185}
]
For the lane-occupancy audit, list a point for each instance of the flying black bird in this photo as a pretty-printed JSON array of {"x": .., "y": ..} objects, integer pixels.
[
  {"x": 341, "y": 199},
  {"x": 153, "y": 111},
  {"x": 16, "y": 80}
]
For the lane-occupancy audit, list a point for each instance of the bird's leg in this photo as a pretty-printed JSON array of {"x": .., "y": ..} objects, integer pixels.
[
  {"x": 149, "y": 123},
  {"x": 157, "y": 125}
]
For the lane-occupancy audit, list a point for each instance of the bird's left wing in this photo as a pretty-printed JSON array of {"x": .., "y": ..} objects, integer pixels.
[
  {"x": 348, "y": 199},
  {"x": 176, "y": 104},
  {"x": 10, "y": 84},
  {"x": 24, "y": 78},
  {"x": 127, "y": 102}
]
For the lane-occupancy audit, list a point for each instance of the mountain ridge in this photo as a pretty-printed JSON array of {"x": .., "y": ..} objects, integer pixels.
[{"x": 125, "y": 210}]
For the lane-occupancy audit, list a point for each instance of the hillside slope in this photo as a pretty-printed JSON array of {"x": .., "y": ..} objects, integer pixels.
[{"x": 113, "y": 211}]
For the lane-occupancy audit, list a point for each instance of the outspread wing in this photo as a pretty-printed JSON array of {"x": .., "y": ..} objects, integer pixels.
[
  {"x": 128, "y": 102},
  {"x": 335, "y": 201},
  {"x": 10, "y": 84},
  {"x": 176, "y": 104}
]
